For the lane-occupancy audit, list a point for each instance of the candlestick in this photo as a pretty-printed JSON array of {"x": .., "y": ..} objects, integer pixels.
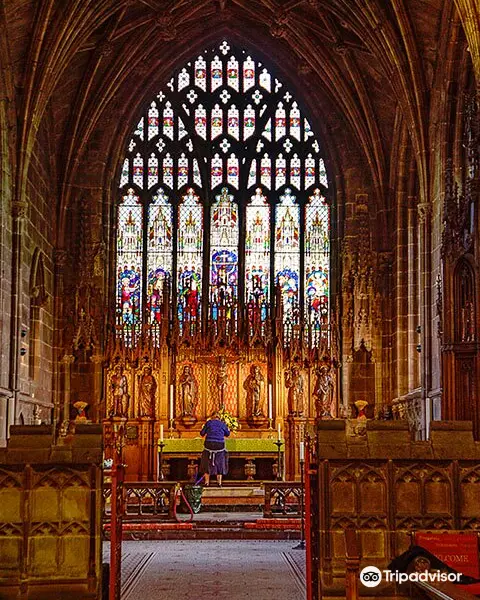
[
  {"x": 302, "y": 451},
  {"x": 270, "y": 401},
  {"x": 279, "y": 431},
  {"x": 161, "y": 432},
  {"x": 279, "y": 445},
  {"x": 160, "y": 475}
]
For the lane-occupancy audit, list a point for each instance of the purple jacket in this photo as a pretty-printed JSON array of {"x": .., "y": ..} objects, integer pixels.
[{"x": 215, "y": 430}]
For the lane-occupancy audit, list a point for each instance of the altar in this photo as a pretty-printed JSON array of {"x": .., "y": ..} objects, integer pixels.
[{"x": 249, "y": 458}]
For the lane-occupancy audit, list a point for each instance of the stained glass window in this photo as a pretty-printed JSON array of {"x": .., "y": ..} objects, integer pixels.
[
  {"x": 287, "y": 258},
  {"x": 138, "y": 171},
  {"x": 129, "y": 265},
  {"x": 224, "y": 235},
  {"x": 189, "y": 259},
  {"x": 226, "y": 141},
  {"x": 152, "y": 171},
  {"x": 152, "y": 121},
  {"x": 257, "y": 258},
  {"x": 159, "y": 253},
  {"x": 317, "y": 265}
]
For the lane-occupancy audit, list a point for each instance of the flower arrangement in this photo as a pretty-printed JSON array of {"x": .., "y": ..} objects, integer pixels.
[{"x": 230, "y": 421}]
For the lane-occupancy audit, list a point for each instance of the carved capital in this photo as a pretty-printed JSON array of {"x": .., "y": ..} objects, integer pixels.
[
  {"x": 67, "y": 359},
  {"x": 19, "y": 209},
  {"x": 424, "y": 210}
]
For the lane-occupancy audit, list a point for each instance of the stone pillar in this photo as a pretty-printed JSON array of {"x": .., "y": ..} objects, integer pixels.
[
  {"x": 413, "y": 316},
  {"x": 424, "y": 231},
  {"x": 19, "y": 211},
  {"x": 98, "y": 404},
  {"x": 294, "y": 434},
  {"x": 60, "y": 259},
  {"x": 67, "y": 361}
]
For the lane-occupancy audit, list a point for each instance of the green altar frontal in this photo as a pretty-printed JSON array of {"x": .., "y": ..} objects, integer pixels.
[
  {"x": 195, "y": 446},
  {"x": 249, "y": 458}
]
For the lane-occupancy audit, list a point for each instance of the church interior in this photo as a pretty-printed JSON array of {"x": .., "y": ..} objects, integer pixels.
[{"x": 264, "y": 209}]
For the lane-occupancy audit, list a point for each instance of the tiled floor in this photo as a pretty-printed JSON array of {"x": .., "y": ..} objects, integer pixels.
[{"x": 212, "y": 569}]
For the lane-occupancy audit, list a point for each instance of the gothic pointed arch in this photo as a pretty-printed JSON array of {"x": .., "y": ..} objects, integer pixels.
[
  {"x": 223, "y": 200},
  {"x": 38, "y": 298}
]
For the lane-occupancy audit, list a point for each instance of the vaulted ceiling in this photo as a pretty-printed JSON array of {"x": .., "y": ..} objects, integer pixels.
[{"x": 365, "y": 68}]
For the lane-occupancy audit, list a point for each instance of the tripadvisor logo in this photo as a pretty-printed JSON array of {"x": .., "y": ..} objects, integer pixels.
[{"x": 372, "y": 576}]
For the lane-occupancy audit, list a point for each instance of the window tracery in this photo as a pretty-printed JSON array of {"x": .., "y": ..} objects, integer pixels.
[{"x": 223, "y": 173}]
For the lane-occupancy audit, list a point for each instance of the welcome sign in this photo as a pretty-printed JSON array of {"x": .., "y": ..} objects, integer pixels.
[{"x": 459, "y": 551}]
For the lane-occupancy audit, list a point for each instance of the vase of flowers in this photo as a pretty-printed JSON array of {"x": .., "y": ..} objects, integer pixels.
[{"x": 230, "y": 421}]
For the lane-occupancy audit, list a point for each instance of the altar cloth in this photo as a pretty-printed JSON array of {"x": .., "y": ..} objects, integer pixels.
[{"x": 195, "y": 445}]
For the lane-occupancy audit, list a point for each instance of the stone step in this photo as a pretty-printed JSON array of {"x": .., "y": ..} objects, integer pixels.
[
  {"x": 238, "y": 533},
  {"x": 208, "y": 526},
  {"x": 232, "y": 497},
  {"x": 233, "y": 492}
]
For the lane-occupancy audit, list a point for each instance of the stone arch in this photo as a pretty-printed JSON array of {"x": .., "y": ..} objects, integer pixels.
[{"x": 464, "y": 302}]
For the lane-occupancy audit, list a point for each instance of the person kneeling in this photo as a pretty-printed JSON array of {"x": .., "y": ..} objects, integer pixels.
[{"x": 214, "y": 459}]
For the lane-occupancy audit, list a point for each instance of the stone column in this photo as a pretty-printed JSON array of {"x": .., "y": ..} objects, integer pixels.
[
  {"x": 67, "y": 361},
  {"x": 98, "y": 404},
  {"x": 19, "y": 211},
  {"x": 424, "y": 231},
  {"x": 60, "y": 259},
  {"x": 413, "y": 290}
]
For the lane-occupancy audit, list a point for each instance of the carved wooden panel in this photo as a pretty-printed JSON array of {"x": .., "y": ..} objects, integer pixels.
[
  {"x": 11, "y": 525},
  {"x": 55, "y": 534},
  {"x": 469, "y": 495},
  {"x": 384, "y": 500}
]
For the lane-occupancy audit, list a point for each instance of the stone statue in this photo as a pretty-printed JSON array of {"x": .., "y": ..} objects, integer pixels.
[
  {"x": 322, "y": 392},
  {"x": 253, "y": 385},
  {"x": 222, "y": 378},
  {"x": 119, "y": 388},
  {"x": 37, "y": 420},
  {"x": 188, "y": 391},
  {"x": 148, "y": 390},
  {"x": 296, "y": 391}
]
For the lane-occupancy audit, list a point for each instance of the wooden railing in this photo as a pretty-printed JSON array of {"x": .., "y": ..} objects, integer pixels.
[
  {"x": 282, "y": 499},
  {"x": 352, "y": 565},
  {"x": 143, "y": 500}
]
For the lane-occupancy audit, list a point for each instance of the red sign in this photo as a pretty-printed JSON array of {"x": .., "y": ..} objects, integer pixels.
[{"x": 459, "y": 551}]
